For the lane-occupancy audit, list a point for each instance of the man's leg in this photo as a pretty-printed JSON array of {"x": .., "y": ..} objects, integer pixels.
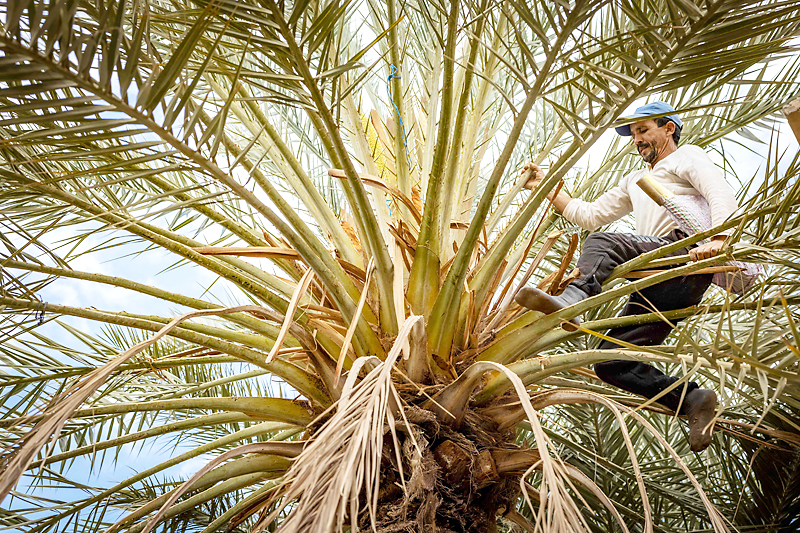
[
  {"x": 639, "y": 378},
  {"x": 602, "y": 253}
]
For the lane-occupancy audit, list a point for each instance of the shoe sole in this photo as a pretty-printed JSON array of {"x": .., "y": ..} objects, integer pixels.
[{"x": 700, "y": 417}]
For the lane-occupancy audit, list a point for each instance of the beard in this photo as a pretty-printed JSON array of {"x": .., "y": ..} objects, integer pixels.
[{"x": 648, "y": 151}]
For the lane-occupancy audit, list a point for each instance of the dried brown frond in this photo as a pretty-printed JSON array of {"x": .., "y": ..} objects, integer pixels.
[{"x": 340, "y": 470}]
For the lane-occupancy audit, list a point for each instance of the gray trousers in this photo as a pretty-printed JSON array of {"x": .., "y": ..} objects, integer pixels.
[{"x": 601, "y": 253}]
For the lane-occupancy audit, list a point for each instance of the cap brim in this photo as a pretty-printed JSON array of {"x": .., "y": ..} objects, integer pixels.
[{"x": 625, "y": 130}]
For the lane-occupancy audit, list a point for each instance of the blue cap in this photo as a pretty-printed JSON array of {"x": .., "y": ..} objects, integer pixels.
[{"x": 649, "y": 110}]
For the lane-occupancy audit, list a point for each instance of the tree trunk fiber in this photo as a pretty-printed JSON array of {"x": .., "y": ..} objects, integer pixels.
[{"x": 462, "y": 481}]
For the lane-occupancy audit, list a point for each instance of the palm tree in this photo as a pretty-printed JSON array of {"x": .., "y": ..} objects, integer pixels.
[{"x": 367, "y": 153}]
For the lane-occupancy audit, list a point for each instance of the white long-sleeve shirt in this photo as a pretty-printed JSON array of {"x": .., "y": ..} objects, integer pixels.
[{"x": 688, "y": 170}]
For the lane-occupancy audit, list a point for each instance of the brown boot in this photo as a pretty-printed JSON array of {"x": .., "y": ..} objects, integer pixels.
[
  {"x": 538, "y": 300},
  {"x": 701, "y": 404}
]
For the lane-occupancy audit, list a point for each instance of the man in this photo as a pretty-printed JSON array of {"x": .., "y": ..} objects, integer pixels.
[{"x": 684, "y": 170}]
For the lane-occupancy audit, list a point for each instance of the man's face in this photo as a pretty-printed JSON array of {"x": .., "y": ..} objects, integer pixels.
[{"x": 652, "y": 141}]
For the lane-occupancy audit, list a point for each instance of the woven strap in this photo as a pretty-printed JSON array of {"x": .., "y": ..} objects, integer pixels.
[{"x": 693, "y": 214}]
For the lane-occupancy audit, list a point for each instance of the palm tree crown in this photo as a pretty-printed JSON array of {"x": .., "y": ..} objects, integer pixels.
[{"x": 348, "y": 172}]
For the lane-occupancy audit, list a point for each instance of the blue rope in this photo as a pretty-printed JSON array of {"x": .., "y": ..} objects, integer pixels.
[
  {"x": 38, "y": 315},
  {"x": 392, "y": 76}
]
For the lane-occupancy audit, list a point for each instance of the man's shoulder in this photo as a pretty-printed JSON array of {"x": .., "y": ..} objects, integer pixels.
[
  {"x": 690, "y": 162},
  {"x": 691, "y": 150},
  {"x": 685, "y": 158}
]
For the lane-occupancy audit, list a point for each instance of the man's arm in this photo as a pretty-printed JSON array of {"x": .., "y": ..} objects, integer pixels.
[{"x": 608, "y": 207}]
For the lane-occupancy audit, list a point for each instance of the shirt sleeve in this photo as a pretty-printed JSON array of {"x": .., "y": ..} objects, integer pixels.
[
  {"x": 708, "y": 179},
  {"x": 610, "y": 206}
]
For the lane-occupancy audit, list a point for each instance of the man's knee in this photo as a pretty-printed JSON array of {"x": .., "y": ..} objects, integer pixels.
[
  {"x": 608, "y": 370},
  {"x": 599, "y": 239},
  {"x": 623, "y": 246}
]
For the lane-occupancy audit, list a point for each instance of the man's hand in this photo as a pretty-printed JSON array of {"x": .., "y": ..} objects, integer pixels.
[
  {"x": 537, "y": 175},
  {"x": 559, "y": 200},
  {"x": 709, "y": 249}
]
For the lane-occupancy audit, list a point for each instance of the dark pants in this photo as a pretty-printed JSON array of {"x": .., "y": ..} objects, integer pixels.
[{"x": 602, "y": 252}]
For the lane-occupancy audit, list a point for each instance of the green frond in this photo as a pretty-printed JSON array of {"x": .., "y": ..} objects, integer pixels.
[{"x": 332, "y": 171}]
